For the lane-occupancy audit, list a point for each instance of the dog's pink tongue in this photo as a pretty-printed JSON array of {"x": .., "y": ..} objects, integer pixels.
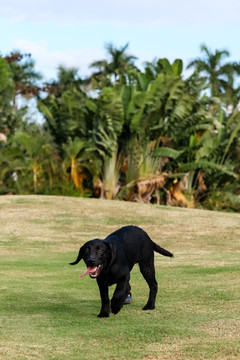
[{"x": 89, "y": 271}]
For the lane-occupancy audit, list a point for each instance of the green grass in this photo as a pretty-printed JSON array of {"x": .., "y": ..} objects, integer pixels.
[{"x": 48, "y": 312}]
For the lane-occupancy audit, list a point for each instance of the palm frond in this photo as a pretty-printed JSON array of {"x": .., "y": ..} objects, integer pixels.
[
  {"x": 167, "y": 152},
  {"x": 208, "y": 165}
]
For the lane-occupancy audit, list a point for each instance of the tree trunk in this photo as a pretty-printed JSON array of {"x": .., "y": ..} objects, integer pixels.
[{"x": 35, "y": 180}]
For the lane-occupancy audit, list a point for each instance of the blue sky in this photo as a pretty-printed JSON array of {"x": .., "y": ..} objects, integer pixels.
[{"x": 73, "y": 33}]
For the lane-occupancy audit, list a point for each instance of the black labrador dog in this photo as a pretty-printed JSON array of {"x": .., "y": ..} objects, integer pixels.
[{"x": 111, "y": 260}]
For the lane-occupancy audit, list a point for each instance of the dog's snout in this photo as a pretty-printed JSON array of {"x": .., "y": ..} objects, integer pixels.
[{"x": 91, "y": 261}]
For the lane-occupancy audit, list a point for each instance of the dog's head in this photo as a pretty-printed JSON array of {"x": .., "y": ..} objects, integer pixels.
[{"x": 97, "y": 255}]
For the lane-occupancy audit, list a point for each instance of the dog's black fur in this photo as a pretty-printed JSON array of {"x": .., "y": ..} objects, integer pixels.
[{"x": 114, "y": 258}]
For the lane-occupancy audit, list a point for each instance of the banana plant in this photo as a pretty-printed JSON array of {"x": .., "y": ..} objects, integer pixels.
[
  {"x": 67, "y": 114},
  {"x": 105, "y": 136},
  {"x": 76, "y": 160},
  {"x": 208, "y": 163},
  {"x": 31, "y": 155},
  {"x": 152, "y": 109}
]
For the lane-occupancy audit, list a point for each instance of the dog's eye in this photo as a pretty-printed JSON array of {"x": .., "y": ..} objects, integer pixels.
[{"x": 100, "y": 251}]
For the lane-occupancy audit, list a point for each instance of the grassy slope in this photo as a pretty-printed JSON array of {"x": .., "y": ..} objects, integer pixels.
[{"x": 47, "y": 312}]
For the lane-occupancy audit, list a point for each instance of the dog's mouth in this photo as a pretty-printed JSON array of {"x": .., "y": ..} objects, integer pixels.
[{"x": 92, "y": 271}]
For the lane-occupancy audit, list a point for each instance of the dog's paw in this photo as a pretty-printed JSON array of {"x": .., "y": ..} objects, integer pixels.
[
  {"x": 116, "y": 306},
  {"x": 103, "y": 314},
  {"x": 148, "y": 307},
  {"x": 115, "y": 310}
]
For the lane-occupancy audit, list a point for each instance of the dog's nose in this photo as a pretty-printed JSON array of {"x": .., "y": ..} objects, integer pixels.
[{"x": 91, "y": 261}]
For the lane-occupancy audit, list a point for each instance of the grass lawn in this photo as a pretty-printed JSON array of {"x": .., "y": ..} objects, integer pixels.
[{"x": 48, "y": 312}]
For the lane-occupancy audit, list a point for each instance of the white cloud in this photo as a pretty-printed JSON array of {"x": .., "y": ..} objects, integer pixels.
[{"x": 48, "y": 60}]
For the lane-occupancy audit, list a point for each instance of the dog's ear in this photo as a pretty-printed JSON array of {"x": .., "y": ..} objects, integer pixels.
[
  {"x": 112, "y": 252},
  {"x": 78, "y": 258}
]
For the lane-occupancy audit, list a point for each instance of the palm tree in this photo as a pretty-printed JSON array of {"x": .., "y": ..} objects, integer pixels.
[
  {"x": 232, "y": 90},
  {"x": 215, "y": 73},
  {"x": 119, "y": 59},
  {"x": 67, "y": 79},
  {"x": 116, "y": 67}
]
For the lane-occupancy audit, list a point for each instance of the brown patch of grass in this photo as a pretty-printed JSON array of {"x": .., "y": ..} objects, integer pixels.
[{"x": 225, "y": 328}]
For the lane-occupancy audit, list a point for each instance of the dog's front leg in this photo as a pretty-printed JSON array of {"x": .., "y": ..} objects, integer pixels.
[
  {"x": 105, "y": 309},
  {"x": 119, "y": 296}
]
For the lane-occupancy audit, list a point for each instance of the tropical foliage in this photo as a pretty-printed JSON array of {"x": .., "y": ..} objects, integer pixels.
[{"x": 147, "y": 135}]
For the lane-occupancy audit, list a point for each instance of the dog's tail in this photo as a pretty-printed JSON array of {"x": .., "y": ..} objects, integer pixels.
[{"x": 161, "y": 250}]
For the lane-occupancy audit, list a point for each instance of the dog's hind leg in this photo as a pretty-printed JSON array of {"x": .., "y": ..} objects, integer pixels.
[{"x": 148, "y": 273}]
